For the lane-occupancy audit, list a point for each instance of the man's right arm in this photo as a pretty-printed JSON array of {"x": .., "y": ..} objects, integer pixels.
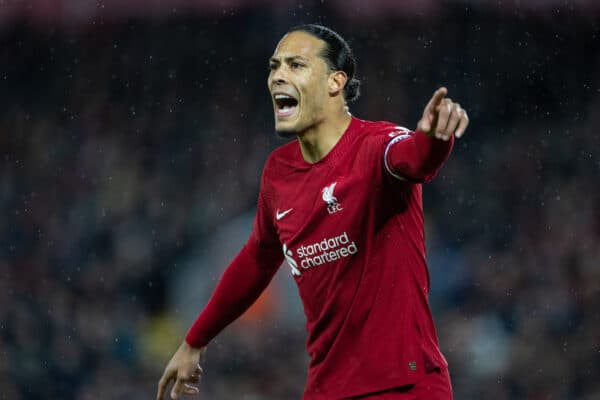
[{"x": 241, "y": 284}]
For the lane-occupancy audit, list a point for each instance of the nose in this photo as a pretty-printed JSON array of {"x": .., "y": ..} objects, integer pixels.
[{"x": 278, "y": 76}]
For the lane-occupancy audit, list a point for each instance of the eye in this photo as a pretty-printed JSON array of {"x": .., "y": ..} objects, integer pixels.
[
  {"x": 272, "y": 66},
  {"x": 296, "y": 65}
]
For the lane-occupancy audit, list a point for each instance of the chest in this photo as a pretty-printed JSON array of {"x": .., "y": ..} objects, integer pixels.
[{"x": 324, "y": 203}]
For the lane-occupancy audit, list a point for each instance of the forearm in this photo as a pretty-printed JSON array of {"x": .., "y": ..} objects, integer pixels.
[
  {"x": 417, "y": 158},
  {"x": 241, "y": 284}
]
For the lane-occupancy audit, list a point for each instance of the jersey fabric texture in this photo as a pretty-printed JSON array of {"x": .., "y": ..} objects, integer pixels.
[
  {"x": 434, "y": 386},
  {"x": 351, "y": 231}
]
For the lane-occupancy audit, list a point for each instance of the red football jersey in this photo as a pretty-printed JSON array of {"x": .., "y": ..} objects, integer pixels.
[{"x": 353, "y": 237}]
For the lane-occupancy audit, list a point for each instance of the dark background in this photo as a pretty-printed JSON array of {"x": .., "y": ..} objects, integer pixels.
[{"x": 132, "y": 138}]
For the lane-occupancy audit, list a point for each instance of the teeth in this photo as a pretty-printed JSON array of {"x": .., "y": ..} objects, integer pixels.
[{"x": 282, "y": 96}]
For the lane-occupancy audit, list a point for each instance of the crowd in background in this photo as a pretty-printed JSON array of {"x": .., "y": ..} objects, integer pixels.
[{"x": 125, "y": 147}]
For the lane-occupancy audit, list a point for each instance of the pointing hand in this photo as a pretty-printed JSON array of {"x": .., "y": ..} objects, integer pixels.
[{"x": 442, "y": 117}]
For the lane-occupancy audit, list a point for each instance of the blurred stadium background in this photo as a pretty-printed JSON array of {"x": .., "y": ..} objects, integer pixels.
[{"x": 132, "y": 136}]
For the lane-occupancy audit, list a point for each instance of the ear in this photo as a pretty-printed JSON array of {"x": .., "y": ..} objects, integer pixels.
[{"x": 336, "y": 82}]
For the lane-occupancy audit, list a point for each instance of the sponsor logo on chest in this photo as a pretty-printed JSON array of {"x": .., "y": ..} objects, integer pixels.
[{"x": 318, "y": 253}]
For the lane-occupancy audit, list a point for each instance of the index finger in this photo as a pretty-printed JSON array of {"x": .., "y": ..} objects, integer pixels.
[
  {"x": 177, "y": 389},
  {"x": 437, "y": 98},
  {"x": 162, "y": 386}
]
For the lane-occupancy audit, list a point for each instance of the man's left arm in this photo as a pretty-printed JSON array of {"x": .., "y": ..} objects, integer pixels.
[{"x": 416, "y": 157}]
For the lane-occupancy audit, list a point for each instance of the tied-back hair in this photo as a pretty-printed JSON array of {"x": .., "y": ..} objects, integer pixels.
[{"x": 337, "y": 54}]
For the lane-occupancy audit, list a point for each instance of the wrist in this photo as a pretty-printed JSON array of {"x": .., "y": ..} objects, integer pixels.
[
  {"x": 191, "y": 345},
  {"x": 187, "y": 348}
]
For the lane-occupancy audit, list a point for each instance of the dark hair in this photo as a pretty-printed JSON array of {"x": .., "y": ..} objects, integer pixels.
[{"x": 337, "y": 54}]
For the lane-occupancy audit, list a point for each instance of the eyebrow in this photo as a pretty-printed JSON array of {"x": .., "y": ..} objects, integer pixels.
[{"x": 287, "y": 59}]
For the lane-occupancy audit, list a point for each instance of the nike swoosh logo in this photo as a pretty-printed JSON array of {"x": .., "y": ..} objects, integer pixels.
[{"x": 279, "y": 215}]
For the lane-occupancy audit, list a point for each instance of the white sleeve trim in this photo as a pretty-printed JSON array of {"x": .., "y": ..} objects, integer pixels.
[{"x": 396, "y": 139}]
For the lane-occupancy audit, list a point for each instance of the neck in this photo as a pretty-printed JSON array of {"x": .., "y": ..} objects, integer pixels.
[{"x": 319, "y": 139}]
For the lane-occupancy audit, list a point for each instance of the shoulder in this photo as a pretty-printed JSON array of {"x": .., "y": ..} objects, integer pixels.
[
  {"x": 380, "y": 130},
  {"x": 283, "y": 155},
  {"x": 376, "y": 135},
  {"x": 283, "y": 160}
]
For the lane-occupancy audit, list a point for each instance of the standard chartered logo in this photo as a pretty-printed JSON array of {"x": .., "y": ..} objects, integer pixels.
[
  {"x": 289, "y": 257},
  {"x": 319, "y": 253}
]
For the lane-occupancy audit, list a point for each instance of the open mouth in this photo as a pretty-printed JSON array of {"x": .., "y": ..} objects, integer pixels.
[{"x": 285, "y": 105}]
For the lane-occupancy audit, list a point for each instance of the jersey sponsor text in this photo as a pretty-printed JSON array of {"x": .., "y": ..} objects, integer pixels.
[{"x": 319, "y": 253}]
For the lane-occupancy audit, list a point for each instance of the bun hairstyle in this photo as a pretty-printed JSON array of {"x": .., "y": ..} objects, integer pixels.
[{"x": 337, "y": 54}]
